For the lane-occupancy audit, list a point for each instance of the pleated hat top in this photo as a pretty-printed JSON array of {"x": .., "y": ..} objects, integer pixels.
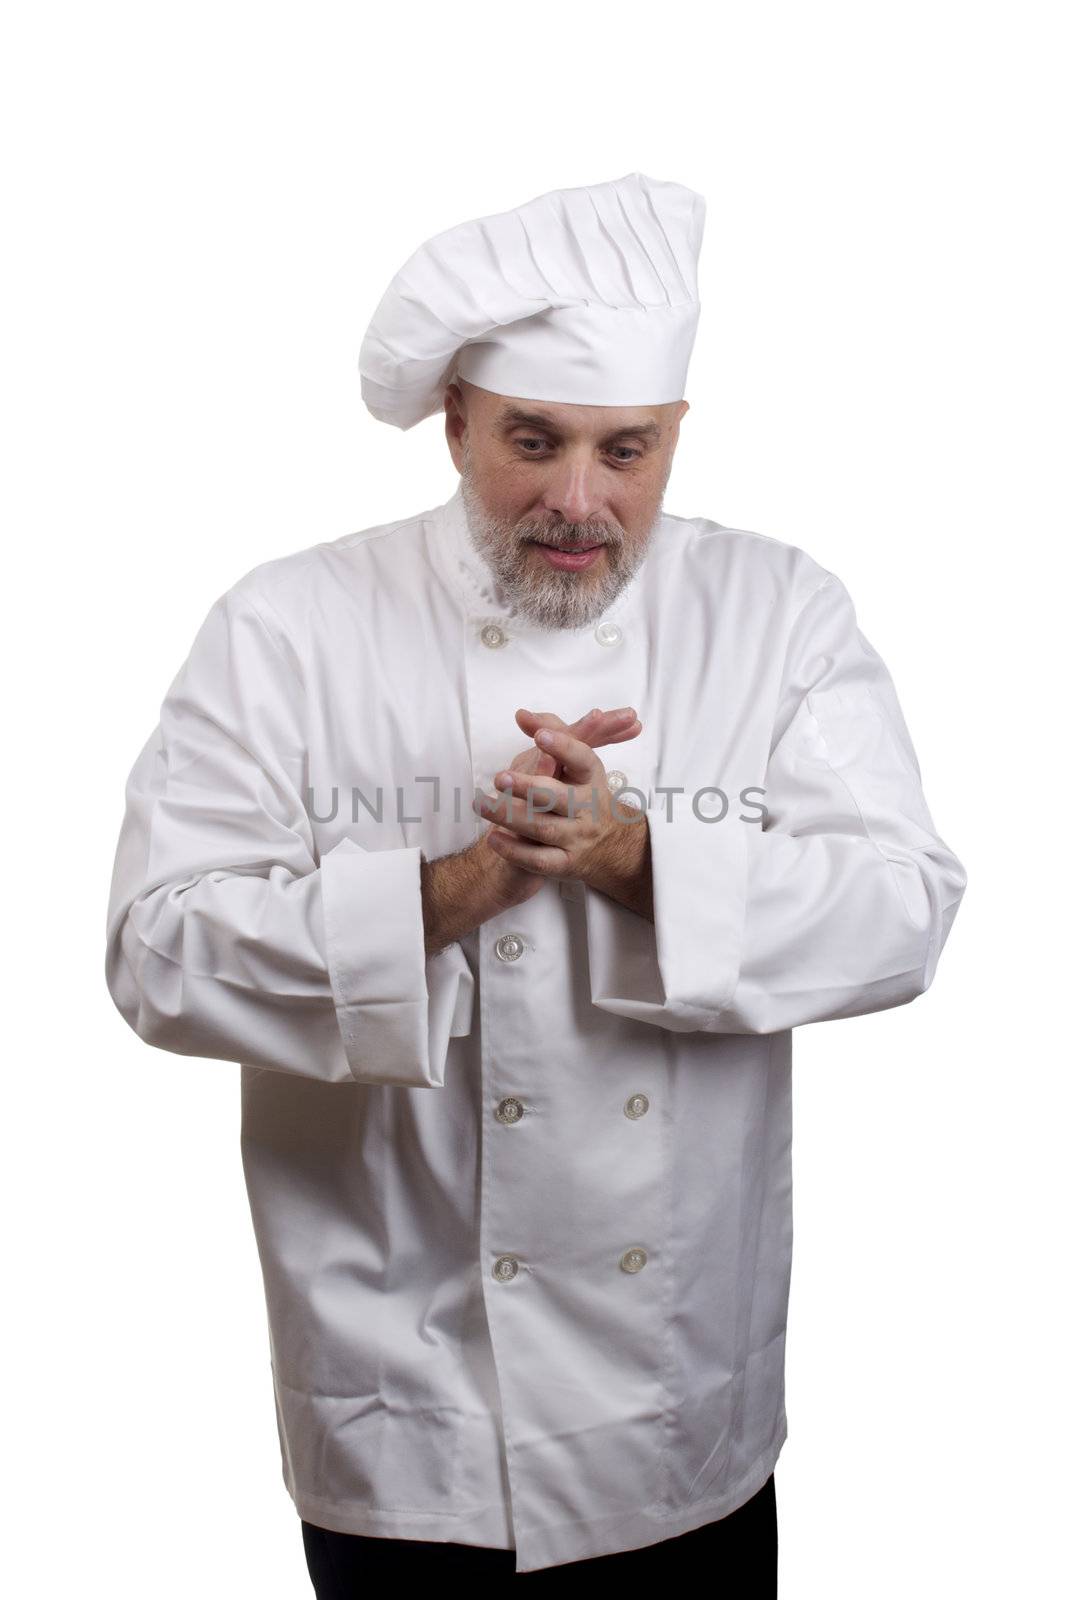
[{"x": 584, "y": 296}]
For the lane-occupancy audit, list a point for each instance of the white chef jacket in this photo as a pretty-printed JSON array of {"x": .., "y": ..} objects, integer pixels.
[{"x": 523, "y": 1208}]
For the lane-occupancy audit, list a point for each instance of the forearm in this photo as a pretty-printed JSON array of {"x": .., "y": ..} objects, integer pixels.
[{"x": 459, "y": 893}]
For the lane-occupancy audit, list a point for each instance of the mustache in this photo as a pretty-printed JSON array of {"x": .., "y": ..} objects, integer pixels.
[{"x": 568, "y": 533}]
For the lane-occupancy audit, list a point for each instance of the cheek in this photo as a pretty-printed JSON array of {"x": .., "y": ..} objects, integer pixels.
[
  {"x": 637, "y": 506},
  {"x": 510, "y": 490},
  {"x": 646, "y": 491},
  {"x": 517, "y": 487}
]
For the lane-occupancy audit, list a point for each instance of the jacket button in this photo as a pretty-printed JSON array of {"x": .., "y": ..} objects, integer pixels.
[
  {"x": 633, "y": 1259},
  {"x": 608, "y": 633},
  {"x": 505, "y": 1268},
  {"x": 616, "y": 780},
  {"x": 509, "y": 1110},
  {"x": 493, "y": 636},
  {"x": 636, "y": 1106},
  {"x": 509, "y": 947}
]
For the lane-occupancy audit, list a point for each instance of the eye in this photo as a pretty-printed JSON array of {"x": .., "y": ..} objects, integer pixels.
[{"x": 533, "y": 448}]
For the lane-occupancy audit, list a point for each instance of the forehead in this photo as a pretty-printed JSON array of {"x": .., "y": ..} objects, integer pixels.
[{"x": 572, "y": 420}]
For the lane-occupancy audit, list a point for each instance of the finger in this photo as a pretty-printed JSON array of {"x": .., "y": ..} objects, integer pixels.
[
  {"x": 530, "y": 721},
  {"x": 544, "y": 860},
  {"x": 624, "y": 713},
  {"x": 615, "y": 731},
  {"x": 597, "y": 719},
  {"x": 534, "y": 793},
  {"x": 594, "y": 729},
  {"x": 606, "y": 727},
  {"x": 585, "y": 728},
  {"x": 577, "y": 758},
  {"x": 537, "y": 787},
  {"x": 514, "y": 812},
  {"x": 533, "y": 761}
]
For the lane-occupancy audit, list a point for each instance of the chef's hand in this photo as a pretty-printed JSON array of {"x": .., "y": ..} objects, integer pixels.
[
  {"x": 461, "y": 891},
  {"x": 513, "y": 883},
  {"x": 595, "y": 728},
  {"x": 571, "y": 826}
]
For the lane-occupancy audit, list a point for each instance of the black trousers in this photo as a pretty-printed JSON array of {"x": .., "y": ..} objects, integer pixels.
[{"x": 743, "y": 1545}]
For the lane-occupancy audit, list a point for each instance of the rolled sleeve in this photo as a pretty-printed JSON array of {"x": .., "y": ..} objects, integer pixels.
[
  {"x": 679, "y": 971},
  {"x": 396, "y": 1008}
]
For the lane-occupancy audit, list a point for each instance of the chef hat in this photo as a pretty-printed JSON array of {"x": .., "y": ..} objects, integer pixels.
[{"x": 583, "y": 296}]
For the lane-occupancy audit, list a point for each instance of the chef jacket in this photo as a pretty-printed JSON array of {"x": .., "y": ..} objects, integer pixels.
[{"x": 523, "y": 1207}]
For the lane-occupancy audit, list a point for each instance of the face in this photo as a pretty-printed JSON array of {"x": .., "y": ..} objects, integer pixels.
[{"x": 538, "y": 480}]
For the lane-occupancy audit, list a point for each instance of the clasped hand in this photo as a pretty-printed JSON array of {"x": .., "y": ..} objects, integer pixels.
[{"x": 557, "y": 816}]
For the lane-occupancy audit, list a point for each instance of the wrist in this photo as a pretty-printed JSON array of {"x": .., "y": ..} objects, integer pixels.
[
  {"x": 446, "y": 900},
  {"x": 623, "y": 870}
]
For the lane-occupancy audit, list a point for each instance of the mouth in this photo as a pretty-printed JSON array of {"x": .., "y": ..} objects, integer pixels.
[{"x": 571, "y": 558}]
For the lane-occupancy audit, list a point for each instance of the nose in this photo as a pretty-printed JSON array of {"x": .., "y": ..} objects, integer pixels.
[{"x": 573, "y": 494}]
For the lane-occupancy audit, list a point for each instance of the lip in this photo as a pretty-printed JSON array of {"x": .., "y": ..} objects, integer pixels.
[{"x": 570, "y": 563}]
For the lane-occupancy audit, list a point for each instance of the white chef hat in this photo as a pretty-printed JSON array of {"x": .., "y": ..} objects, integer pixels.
[{"x": 585, "y": 296}]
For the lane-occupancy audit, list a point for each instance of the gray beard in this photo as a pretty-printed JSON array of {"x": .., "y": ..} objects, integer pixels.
[{"x": 547, "y": 595}]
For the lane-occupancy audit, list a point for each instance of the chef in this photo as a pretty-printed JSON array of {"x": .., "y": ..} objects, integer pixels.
[{"x": 503, "y": 846}]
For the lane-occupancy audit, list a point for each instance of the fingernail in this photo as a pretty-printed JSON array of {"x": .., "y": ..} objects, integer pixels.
[
  {"x": 545, "y": 737},
  {"x": 504, "y": 780}
]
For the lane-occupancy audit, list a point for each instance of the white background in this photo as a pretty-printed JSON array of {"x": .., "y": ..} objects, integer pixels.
[{"x": 205, "y": 204}]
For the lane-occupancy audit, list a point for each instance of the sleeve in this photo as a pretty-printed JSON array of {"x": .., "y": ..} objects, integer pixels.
[
  {"x": 227, "y": 937},
  {"x": 837, "y": 902}
]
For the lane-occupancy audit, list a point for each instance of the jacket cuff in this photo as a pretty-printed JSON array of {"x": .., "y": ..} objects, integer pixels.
[
  {"x": 396, "y": 1009},
  {"x": 679, "y": 972}
]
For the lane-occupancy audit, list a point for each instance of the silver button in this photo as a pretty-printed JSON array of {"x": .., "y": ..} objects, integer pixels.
[
  {"x": 633, "y": 1259},
  {"x": 636, "y": 1106},
  {"x": 505, "y": 1268},
  {"x": 616, "y": 780},
  {"x": 509, "y": 947},
  {"x": 493, "y": 636},
  {"x": 509, "y": 1110},
  {"x": 608, "y": 633}
]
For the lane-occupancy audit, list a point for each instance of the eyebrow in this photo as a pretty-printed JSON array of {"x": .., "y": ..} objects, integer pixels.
[{"x": 513, "y": 416}]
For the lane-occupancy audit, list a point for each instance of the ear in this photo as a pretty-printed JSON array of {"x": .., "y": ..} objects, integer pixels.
[{"x": 455, "y": 423}]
